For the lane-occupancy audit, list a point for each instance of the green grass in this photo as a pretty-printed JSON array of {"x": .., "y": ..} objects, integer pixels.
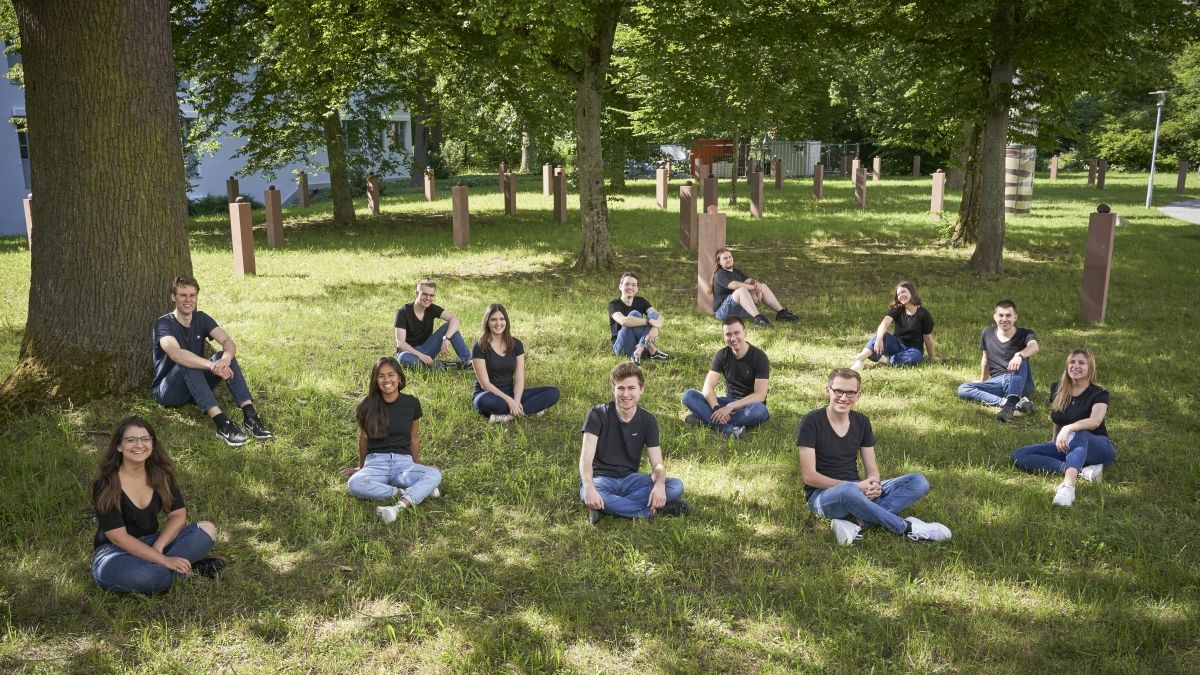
[{"x": 503, "y": 573}]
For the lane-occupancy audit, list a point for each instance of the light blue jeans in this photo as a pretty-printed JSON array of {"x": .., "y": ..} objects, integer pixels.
[
  {"x": 433, "y": 346},
  {"x": 121, "y": 572},
  {"x": 747, "y": 416},
  {"x": 1085, "y": 449},
  {"x": 627, "y": 497},
  {"x": 898, "y": 353},
  {"x": 994, "y": 390},
  {"x": 629, "y": 339},
  {"x": 730, "y": 307},
  {"x": 385, "y": 473},
  {"x": 847, "y": 500}
]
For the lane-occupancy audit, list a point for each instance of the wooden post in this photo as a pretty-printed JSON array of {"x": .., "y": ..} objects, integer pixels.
[
  {"x": 777, "y": 171},
  {"x": 1101, "y": 172},
  {"x": 661, "y": 186},
  {"x": 508, "y": 184},
  {"x": 937, "y": 202},
  {"x": 28, "y": 203},
  {"x": 373, "y": 194},
  {"x": 702, "y": 172},
  {"x": 860, "y": 188},
  {"x": 688, "y": 220},
  {"x": 855, "y": 165},
  {"x": 876, "y": 168},
  {"x": 547, "y": 179},
  {"x": 1054, "y": 167},
  {"x": 241, "y": 223},
  {"x": 751, "y": 166},
  {"x": 844, "y": 167},
  {"x": 711, "y": 195},
  {"x": 711, "y": 238},
  {"x": 1097, "y": 264},
  {"x": 1092, "y": 171},
  {"x": 1181, "y": 184},
  {"x": 916, "y": 166},
  {"x": 430, "y": 184},
  {"x": 461, "y": 215},
  {"x": 231, "y": 189},
  {"x": 303, "y": 188},
  {"x": 560, "y": 195},
  {"x": 756, "y": 194},
  {"x": 274, "y": 203},
  {"x": 819, "y": 182}
]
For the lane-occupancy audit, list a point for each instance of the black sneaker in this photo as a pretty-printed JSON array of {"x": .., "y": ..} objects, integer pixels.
[
  {"x": 232, "y": 434},
  {"x": 1025, "y": 406},
  {"x": 636, "y": 357},
  {"x": 660, "y": 355},
  {"x": 211, "y": 566},
  {"x": 675, "y": 508},
  {"x": 254, "y": 425},
  {"x": 785, "y": 314},
  {"x": 1006, "y": 412},
  {"x": 761, "y": 321},
  {"x": 693, "y": 420}
]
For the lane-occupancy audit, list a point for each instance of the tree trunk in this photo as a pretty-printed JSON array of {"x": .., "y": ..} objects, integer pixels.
[
  {"x": 525, "y": 157},
  {"x": 965, "y": 146},
  {"x": 109, "y": 208},
  {"x": 339, "y": 172},
  {"x": 420, "y": 158},
  {"x": 733, "y": 173},
  {"x": 989, "y": 252},
  {"x": 966, "y": 228}
]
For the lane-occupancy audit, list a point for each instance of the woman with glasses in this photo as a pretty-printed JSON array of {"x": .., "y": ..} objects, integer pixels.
[
  {"x": 1080, "y": 446},
  {"x": 913, "y": 335},
  {"x": 134, "y": 484},
  {"x": 499, "y": 362}
]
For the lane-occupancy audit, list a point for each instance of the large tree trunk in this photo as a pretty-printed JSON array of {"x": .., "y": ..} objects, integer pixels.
[
  {"x": 339, "y": 171},
  {"x": 733, "y": 173},
  {"x": 526, "y": 146},
  {"x": 420, "y": 150},
  {"x": 989, "y": 252},
  {"x": 595, "y": 250},
  {"x": 109, "y": 208},
  {"x": 966, "y": 145},
  {"x": 966, "y": 228}
]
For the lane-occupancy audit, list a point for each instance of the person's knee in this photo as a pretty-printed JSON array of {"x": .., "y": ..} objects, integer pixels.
[
  {"x": 741, "y": 294},
  {"x": 689, "y": 395},
  {"x": 434, "y": 473},
  {"x": 209, "y": 529},
  {"x": 918, "y": 483},
  {"x": 634, "y": 314},
  {"x": 674, "y": 489},
  {"x": 966, "y": 390}
]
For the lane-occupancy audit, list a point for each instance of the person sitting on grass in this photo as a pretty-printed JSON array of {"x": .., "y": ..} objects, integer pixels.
[
  {"x": 635, "y": 324},
  {"x": 1006, "y": 378},
  {"x": 614, "y": 435},
  {"x": 499, "y": 362},
  {"x": 736, "y": 294},
  {"x": 389, "y": 445},
  {"x": 183, "y": 375},
  {"x": 134, "y": 483},
  {"x": 831, "y": 440},
  {"x": 914, "y": 330},
  {"x": 416, "y": 340},
  {"x": 1080, "y": 445},
  {"x": 747, "y": 371}
]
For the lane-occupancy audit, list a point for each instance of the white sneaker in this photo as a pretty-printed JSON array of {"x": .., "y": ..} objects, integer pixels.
[
  {"x": 923, "y": 531},
  {"x": 856, "y": 365},
  {"x": 387, "y": 513},
  {"x": 1064, "y": 495},
  {"x": 1093, "y": 473},
  {"x": 500, "y": 419},
  {"x": 845, "y": 531},
  {"x": 436, "y": 493}
]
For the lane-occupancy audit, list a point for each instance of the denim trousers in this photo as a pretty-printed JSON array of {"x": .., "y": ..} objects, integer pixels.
[
  {"x": 847, "y": 500},
  {"x": 627, "y": 497},
  {"x": 121, "y": 572},
  {"x": 730, "y": 307},
  {"x": 629, "y": 339},
  {"x": 433, "y": 346},
  {"x": 389, "y": 475},
  {"x": 993, "y": 391},
  {"x": 746, "y": 416},
  {"x": 533, "y": 400},
  {"x": 1085, "y": 449},
  {"x": 898, "y": 353},
  {"x": 184, "y": 385}
]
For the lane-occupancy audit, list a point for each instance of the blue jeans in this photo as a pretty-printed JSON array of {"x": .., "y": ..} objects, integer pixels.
[
  {"x": 994, "y": 391},
  {"x": 533, "y": 400},
  {"x": 898, "y": 353},
  {"x": 1085, "y": 449},
  {"x": 115, "y": 570},
  {"x": 730, "y": 307},
  {"x": 383, "y": 473},
  {"x": 629, "y": 339},
  {"x": 627, "y": 497},
  {"x": 847, "y": 500},
  {"x": 747, "y": 416},
  {"x": 433, "y": 346},
  {"x": 184, "y": 385}
]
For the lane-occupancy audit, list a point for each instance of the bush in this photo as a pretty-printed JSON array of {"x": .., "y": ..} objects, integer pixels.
[{"x": 211, "y": 205}]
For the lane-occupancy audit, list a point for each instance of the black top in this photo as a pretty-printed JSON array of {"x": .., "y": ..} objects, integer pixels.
[
  {"x": 1080, "y": 407},
  {"x": 416, "y": 331},
  {"x": 501, "y": 370},
  {"x": 191, "y": 338},
  {"x": 721, "y": 288},
  {"x": 911, "y": 330},
  {"x": 400, "y": 415},
  {"x": 616, "y": 306},
  {"x": 837, "y": 456},
  {"x": 619, "y": 445},
  {"x": 137, "y": 522},
  {"x": 1000, "y": 353},
  {"x": 740, "y": 374}
]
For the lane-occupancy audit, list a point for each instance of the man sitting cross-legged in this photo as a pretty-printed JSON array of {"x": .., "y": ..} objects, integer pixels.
[
  {"x": 830, "y": 441},
  {"x": 183, "y": 375},
  {"x": 614, "y": 435},
  {"x": 746, "y": 371},
  {"x": 634, "y": 323},
  {"x": 416, "y": 340}
]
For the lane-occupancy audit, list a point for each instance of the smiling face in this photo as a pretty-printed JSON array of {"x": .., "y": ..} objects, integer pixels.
[
  {"x": 136, "y": 445},
  {"x": 627, "y": 392},
  {"x": 388, "y": 381},
  {"x": 185, "y": 298},
  {"x": 843, "y": 393},
  {"x": 1006, "y": 318},
  {"x": 735, "y": 336},
  {"x": 497, "y": 323},
  {"x": 1078, "y": 367},
  {"x": 425, "y": 296},
  {"x": 903, "y": 296},
  {"x": 725, "y": 260},
  {"x": 628, "y": 286}
]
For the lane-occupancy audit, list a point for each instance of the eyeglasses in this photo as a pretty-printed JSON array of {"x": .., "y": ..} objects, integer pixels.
[
  {"x": 838, "y": 393},
  {"x": 145, "y": 440}
]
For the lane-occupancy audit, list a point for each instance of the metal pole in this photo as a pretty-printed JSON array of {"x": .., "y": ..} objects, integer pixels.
[{"x": 1162, "y": 98}]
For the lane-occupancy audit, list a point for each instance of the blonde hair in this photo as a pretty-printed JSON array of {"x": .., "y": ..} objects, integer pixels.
[{"x": 1062, "y": 398}]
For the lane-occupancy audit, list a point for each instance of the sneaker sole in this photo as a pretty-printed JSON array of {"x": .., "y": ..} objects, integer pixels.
[{"x": 232, "y": 444}]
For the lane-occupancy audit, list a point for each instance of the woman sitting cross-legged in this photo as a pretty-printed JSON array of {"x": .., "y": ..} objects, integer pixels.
[
  {"x": 499, "y": 362},
  {"x": 389, "y": 445},
  {"x": 1080, "y": 445},
  {"x": 913, "y": 334},
  {"x": 134, "y": 483}
]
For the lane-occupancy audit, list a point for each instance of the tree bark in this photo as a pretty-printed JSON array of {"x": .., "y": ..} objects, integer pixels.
[
  {"x": 420, "y": 158},
  {"x": 109, "y": 208},
  {"x": 966, "y": 228},
  {"x": 339, "y": 171},
  {"x": 525, "y": 157},
  {"x": 989, "y": 252},
  {"x": 733, "y": 173}
]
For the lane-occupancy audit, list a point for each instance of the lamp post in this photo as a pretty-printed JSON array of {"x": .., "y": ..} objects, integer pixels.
[{"x": 1162, "y": 98}]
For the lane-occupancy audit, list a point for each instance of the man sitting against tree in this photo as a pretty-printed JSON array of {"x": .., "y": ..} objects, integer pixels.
[
  {"x": 1006, "y": 378},
  {"x": 416, "y": 340},
  {"x": 746, "y": 371},
  {"x": 635, "y": 324},
  {"x": 831, "y": 440},
  {"x": 736, "y": 294},
  {"x": 183, "y": 375}
]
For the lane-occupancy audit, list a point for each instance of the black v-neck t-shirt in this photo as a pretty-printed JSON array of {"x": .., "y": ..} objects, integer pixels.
[
  {"x": 137, "y": 522},
  {"x": 837, "y": 456}
]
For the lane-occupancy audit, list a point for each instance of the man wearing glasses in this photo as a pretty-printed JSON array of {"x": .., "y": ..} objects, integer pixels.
[
  {"x": 416, "y": 340},
  {"x": 831, "y": 439},
  {"x": 746, "y": 371}
]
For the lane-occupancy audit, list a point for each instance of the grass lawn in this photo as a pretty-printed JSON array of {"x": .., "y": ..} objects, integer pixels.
[{"x": 503, "y": 573}]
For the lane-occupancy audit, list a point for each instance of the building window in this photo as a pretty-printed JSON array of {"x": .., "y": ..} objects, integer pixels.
[
  {"x": 23, "y": 144},
  {"x": 397, "y": 137},
  {"x": 353, "y": 130}
]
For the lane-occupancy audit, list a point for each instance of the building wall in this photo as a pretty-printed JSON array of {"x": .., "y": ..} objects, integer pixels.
[{"x": 13, "y": 186}]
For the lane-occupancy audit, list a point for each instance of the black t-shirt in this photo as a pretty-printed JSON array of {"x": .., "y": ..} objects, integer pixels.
[
  {"x": 1000, "y": 353},
  {"x": 501, "y": 370},
  {"x": 1080, "y": 407},
  {"x": 400, "y": 414},
  {"x": 620, "y": 444},
  {"x": 721, "y": 288},
  {"x": 137, "y": 522},
  {"x": 837, "y": 456},
  {"x": 616, "y": 306},
  {"x": 190, "y": 338},
  {"x": 740, "y": 374},
  {"x": 911, "y": 330},
  {"x": 417, "y": 331}
]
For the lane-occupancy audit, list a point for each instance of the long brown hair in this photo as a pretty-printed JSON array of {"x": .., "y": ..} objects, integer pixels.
[
  {"x": 105, "y": 488},
  {"x": 712, "y": 283},
  {"x": 912, "y": 290},
  {"x": 1062, "y": 398},
  {"x": 371, "y": 413},
  {"x": 485, "y": 335}
]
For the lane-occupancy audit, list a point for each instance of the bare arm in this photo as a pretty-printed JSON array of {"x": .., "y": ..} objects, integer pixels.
[
  {"x": 710, "y": 387},
  {"x": 630, "y": 321},
  {"x": 983, "y": 367},
  {"x": 452, "y": 322},
  {"x": 929, "y": 348},
  {"x": 181, "y": 356},
  {"x": 655, "y": 323},
  {"x": 415, "y": 441},
  {"x": 1090, "y": 422},
  {"x": 228, "y": 347},
  {"x": 519, "y": 378},
  {"x": 881, "y": 330},
  {"x": 175, "y": 521},
  {"x": 586, "y": 454},
  {"x": 403, "y": 347},
  {"x": 658, "y": 474},
  {"x": 134, "y": 546}
]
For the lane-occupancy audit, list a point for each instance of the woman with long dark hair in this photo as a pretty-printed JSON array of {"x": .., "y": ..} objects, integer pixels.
[
  {"x": 134, "y": 484},
  {"x": 499, "y": 362},
  {"x": 913, "y": 335}
]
